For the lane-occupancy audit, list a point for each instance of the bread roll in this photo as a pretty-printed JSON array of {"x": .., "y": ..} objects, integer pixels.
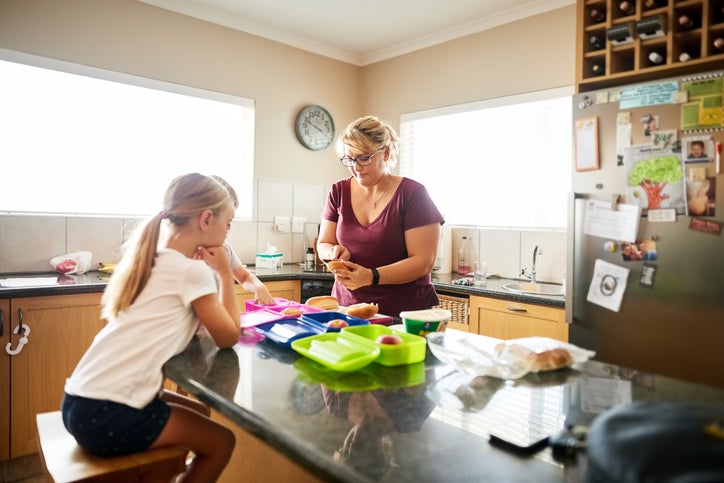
[
  {"x": 335, "y": 265},
  {"x": 292, "y": 311},
  {"x": 362, "y": 310},
  {"x": 324, "y": 302},
  {"x": 546, "y": 360}
]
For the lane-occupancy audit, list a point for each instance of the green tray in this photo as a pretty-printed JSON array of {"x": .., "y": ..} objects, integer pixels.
[
  {"x": 411, "y": 351},
  {"x": 340, "y": 352}
]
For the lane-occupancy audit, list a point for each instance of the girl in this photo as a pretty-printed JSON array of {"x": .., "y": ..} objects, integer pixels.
[{"x": 114, "y": 402}]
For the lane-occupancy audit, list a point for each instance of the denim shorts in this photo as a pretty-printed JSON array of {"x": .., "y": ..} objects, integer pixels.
[{"x": 107, "y": 428}]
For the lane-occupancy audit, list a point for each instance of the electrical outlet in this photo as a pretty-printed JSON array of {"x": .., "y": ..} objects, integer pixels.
[
  {"x": 282, "y": 224},
  {"x": 298, "y": 224}
]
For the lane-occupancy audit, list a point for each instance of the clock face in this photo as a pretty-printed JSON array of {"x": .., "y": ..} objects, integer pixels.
[{"x": 314, "y": 127}]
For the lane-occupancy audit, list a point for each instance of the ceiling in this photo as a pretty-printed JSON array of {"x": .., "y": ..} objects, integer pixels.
[{"x": 357, "y": 31}]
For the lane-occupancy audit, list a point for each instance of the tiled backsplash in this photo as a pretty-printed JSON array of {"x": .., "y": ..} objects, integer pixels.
[{"x": 27, "y": 243}]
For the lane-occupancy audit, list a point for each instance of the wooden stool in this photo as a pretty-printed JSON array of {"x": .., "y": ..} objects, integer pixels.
[{"x": 66, "y": 462}]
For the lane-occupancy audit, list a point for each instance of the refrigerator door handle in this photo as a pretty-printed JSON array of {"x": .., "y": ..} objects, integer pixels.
[{"x": 573, "y": 200}]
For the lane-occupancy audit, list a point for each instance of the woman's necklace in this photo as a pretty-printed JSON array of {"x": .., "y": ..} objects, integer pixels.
[{"x": 374, "y": 203}]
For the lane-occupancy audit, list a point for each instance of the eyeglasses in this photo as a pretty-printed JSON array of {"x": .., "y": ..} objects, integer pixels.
[{"x": 363, "y": 160}]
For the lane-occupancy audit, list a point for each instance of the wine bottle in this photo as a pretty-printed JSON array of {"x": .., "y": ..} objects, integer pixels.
[
  {"x": 654, "y": 3},
  {"x": 656, "y": 58},
  {"x": 598, "y": 15},
  {"x": 719, "y": 43},
  {"x": 597, "y": 42},
  {"x": 686, "y": 22},
  {"x": 629, "y": 8},
  {"x": 597, "y": 69},
  {"x": 684, "y": 57}
]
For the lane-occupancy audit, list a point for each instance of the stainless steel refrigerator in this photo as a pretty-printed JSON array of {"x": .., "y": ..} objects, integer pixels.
[{"x": 670, "y": 317}]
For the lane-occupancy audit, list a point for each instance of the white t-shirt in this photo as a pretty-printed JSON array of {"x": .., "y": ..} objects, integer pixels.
[
  {"x": 233, "y": 258},
  {"x": 124, "y": 362}
]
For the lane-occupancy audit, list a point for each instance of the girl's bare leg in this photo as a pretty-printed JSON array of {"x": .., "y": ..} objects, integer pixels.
[{"x": 211, "y": 442}]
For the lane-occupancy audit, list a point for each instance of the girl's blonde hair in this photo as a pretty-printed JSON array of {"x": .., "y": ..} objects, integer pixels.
[
  {"x": 368, "y": 134},
  {"x": 186, "y": 197}
]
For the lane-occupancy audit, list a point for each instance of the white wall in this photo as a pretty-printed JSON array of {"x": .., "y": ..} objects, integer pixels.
[{"x": 135, "y": 38}]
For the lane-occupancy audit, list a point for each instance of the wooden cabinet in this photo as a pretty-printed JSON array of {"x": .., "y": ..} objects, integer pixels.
[
  {"x": 506, "y": 319},
  {"x": 4, "y": 380},
  {"x": 286, "y": 289},
  {"x": 61, "y": 329},
  {"x": 654, "y": 40}
]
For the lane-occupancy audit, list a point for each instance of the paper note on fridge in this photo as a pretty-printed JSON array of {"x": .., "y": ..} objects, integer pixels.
[
  {"x": 617, "y": 223},
  {"x": 608, "y": 285}
]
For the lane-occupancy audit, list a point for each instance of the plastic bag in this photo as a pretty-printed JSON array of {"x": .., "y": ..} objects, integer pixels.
[
  {"x": 480, "y": 355},
  {"x": 72, "y": 263}
]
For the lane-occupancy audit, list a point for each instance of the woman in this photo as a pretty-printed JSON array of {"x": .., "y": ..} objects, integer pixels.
[{"x": 383, "y": 227}]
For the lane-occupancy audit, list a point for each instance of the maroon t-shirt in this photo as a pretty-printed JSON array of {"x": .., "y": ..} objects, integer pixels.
[{"x": 382, "y": 242}]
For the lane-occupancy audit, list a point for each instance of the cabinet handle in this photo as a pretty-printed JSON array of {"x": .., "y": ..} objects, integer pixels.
[
  {"x": 2, "y": 322},
  {"x": 23, "y": 331},
  {"x": 513, "y": 308}
]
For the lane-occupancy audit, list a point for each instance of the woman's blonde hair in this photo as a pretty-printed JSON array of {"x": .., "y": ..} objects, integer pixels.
[
  {"x": 368, "y": 134},
  {"x": 187, "y": 196}
]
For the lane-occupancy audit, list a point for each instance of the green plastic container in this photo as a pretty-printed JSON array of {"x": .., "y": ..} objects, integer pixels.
[
  {"x": 411, "y": 351},
  {"x": 336, "y": 351}
]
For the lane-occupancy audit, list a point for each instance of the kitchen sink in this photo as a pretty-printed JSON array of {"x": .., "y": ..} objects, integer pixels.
[{"x": 535, "y": 288}]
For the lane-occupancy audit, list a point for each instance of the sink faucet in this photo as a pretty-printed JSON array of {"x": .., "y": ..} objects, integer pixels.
[{"x": 536, "y": 251}]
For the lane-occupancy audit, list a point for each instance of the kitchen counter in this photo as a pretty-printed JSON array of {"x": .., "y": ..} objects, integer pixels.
[
  {"x": 39, "y": 284},
  {"x": 292, "y": 404}
]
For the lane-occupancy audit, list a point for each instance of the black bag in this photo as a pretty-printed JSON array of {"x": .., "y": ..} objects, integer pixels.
[{"x": 657, "y": 442}]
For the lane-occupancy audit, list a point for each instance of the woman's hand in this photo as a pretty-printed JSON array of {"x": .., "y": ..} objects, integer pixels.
[{"x": 353, "y": 276}]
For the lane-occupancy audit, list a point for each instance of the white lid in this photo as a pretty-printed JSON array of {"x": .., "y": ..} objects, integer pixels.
[{"x": 427, "y": 315}]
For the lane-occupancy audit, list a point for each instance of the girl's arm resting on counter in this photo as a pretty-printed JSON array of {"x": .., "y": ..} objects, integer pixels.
[{"x": 220, "y": 313}]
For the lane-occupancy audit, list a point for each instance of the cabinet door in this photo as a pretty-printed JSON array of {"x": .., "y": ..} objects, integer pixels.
[
  {"x": 61, "y": 329},
  {"x": 286, "y": 289},
  {"x": 5, "y": 328},
  {"x": 505, "y": 319}
]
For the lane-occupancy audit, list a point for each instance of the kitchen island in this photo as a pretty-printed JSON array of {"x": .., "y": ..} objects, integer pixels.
[{"x": 418, "y": 423}]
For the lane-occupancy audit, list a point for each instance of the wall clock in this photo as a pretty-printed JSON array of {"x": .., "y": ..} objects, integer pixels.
[{"x": 314, "y": 127}]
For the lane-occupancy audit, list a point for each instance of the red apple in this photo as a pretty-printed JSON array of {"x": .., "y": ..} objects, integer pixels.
[
  {"x": 390, "y": 339},
  {"x": 337, "y": 323}
]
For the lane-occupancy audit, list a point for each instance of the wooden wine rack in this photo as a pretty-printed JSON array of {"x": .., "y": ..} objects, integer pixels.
[{"x": 630, "y": 62}]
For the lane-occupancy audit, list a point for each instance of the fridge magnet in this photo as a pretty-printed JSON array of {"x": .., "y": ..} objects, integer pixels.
[
  {"x": 608, "y": 285},
  {"x": 586, "y": 144},
  {"x": 665, "y": 139},
  {"x": 705, "y": 110},
  {"x": 701, "y": 197},
  {"x": 698, "y": 149},
  {"x": 707, "y": 226},
  {"x": 654, "y": 178},
  {"x": 648, "y": 272},
  {"x": 650, "y": 123},
  {"x": 640, "y": 250}
]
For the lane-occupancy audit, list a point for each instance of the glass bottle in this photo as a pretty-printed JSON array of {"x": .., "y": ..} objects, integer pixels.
[{"x": 465, "y": 257}]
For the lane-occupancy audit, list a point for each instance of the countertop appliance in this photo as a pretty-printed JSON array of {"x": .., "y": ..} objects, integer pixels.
[{"x": 671, "y": 316}]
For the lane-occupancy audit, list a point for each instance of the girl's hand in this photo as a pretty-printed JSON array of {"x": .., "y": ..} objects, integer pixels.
[
  {"x": 215, "y": 257},
  {"x": 263, "y": 296}
]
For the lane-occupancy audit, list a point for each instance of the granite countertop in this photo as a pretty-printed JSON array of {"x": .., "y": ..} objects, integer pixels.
[
  {"x": 51, "y": 283},
  {"x": 434, "y": 430}
]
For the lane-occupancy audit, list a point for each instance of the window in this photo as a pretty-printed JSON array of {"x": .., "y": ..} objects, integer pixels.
[
  {"x": 499, "y": 163},
  {"x": 79, "y": 140}
]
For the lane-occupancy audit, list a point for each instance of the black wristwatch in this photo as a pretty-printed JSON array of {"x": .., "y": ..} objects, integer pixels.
[{"x": 375, "y": 276}]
